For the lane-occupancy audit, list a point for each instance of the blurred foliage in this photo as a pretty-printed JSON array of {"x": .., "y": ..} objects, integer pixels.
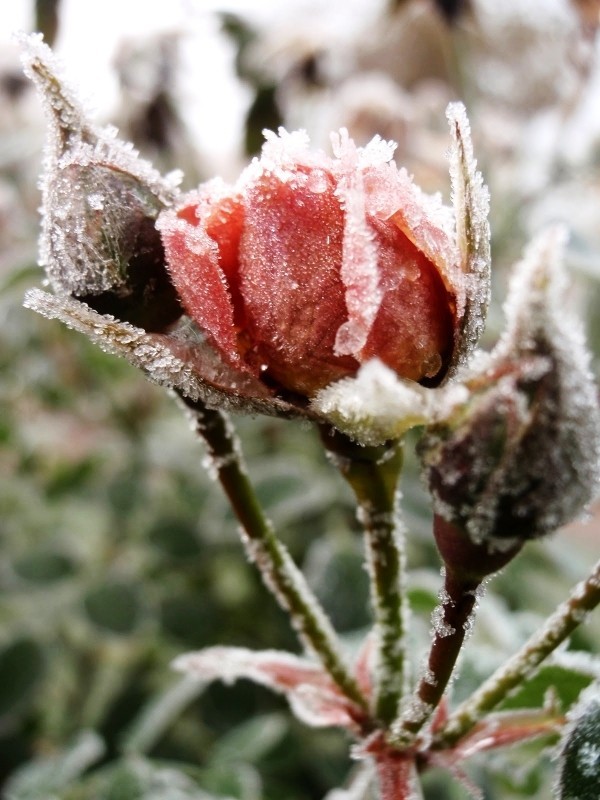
[{"x": 119, "y": 553}]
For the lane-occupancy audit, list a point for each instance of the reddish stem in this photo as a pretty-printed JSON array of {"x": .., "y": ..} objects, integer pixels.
[{"x": 397, "y": 776}]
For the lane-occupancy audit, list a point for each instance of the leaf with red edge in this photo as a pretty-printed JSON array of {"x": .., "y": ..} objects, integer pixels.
[{"x": 312, "y": 695}]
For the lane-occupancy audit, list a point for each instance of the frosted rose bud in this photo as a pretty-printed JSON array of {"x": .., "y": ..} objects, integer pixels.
[
  {"x": 310, "y": 266},
  {"x": 521, "y": 457},
  {"x": 292, "y": 279}
]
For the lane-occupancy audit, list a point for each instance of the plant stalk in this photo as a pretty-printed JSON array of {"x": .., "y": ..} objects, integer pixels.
[
  {"x": 571, "y": 613},
  {"x": 372, "y": 473},
  {"x": 278, "y": 571},
  {"x": 451, "y": 621}
]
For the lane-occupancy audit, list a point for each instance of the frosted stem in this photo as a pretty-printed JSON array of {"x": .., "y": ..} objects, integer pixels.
[
  {"x": 583, "y": 599},
  {"x": 278, "y": 571},
  {"x": 373, "y": 472},
  {"x": 451, "y": 621},
  {"x": 397, "y": 777}
]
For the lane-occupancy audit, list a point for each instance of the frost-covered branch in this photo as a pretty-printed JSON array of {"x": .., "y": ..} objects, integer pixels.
[
  {"x": 452, "y": 620},
  {"x": 372, "y": 473},
  {"x": 279, "y": 573},
  {"x": 583, "y": 599}
]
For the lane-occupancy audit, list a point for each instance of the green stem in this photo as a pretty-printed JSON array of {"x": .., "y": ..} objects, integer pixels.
[
  {"x": 583, "y": 599},
  {"x": 279, "y": 573},
  {"x": 451, "y": 623},
  {"x": 372, "y": 473}
]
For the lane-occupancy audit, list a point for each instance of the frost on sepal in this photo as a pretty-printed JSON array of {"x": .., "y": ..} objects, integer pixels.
[
  {"x": 377, "y": 405},
  {"x": 181, "y": 360},
  {"x": 521, "y": 458},
  {"x": 561, "y": 445},
  {"x": 312, "y": 695},
  {"x": 578, "y": 775},
  {"x": 99, "y": 204},
  {"x": 471, "y": 203}
]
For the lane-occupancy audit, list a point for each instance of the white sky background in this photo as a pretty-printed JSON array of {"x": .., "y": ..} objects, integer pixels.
[
  {"x": 214, "y": 102},
  {"x": 91, "y": 32}
]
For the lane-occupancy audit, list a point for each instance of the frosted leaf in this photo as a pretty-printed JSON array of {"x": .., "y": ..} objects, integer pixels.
[
  {"x": 471, "y": 202},
  {"x": 175, "y": 361},
  {"x": 578, "y": 775},
  {"x": 312, "y": 695},
  {"x": 320, "y": 708},
  {"x": 577, "y": 661},
  {"x": 377, "y": 405},
  {"x": 96, "y": 191},
  {"x": 66, "y": 114}
]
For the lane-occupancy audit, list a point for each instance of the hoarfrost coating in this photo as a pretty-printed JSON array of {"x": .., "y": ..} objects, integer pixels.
[
  {"x": 522, "y": 456},
  {"x": 310, "y": 266}
]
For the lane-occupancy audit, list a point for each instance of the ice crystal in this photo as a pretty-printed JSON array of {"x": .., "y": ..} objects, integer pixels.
[
  {"x": 377, "y": 405},
  {"x": 471, "y": 208},
  {"x": 441, "y": 628}
]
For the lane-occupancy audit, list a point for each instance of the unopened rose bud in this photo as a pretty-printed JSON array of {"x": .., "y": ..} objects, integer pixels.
[
  {"x": 303, "y": 271},
  {"x": 100, "y": 202},
  {"x": 521, "y": 457},
  {"x": 311, "y": 266}
]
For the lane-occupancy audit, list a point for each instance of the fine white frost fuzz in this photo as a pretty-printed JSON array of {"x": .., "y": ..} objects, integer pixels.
[
  {"x": 471, "y": 201},
  {"x": 91, "y": 181},
  {"x": 377, "y": 405},
  {"x": 313, "y": 697}
]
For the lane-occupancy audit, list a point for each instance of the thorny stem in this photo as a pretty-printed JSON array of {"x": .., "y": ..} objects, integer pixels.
[
  {"x": 279, "y": 573},
  {"x": 583, "y": 599},
  {"x": 451, "y": 623},
  {"x": 372, "y": 473}
]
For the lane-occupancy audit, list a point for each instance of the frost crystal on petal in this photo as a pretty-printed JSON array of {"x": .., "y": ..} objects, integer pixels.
[
  {"x": 471, "y": 202},
  {"x": 359, "y": 270}
]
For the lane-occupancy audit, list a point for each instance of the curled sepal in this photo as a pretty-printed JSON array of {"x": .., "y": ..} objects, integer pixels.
[
  {"x": 471, "y": 201},
  {"x": 313, "y": 696},
  {"x": 377, "y": 405},
  {"x": 99, "y": 205},
  {"x": 522, "y": 456},
  {"x": 578, "y": 775},
  {"x": 178, "y": 360}
]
